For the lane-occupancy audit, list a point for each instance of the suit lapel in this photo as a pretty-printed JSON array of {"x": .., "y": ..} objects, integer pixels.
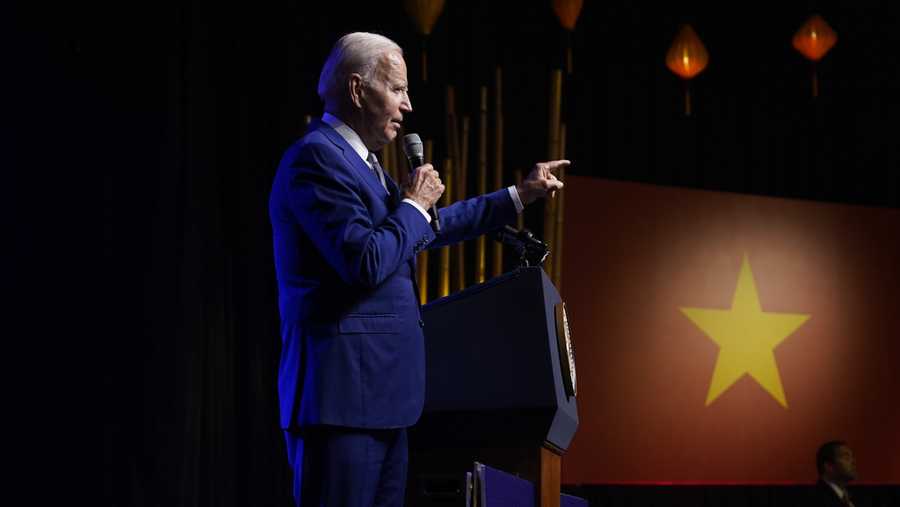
[{"x": 361, "y": 167}]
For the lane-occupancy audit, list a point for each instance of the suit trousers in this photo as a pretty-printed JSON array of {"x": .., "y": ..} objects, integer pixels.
[{"x": 348, "y": 467}]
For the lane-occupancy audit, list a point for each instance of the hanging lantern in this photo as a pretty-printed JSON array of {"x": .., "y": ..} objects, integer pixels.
[
  {"x": 568, "y": 11},
  {"x": 687, "y": 57},
  {"x": 424, "y": 14},
  {"x": 813, "y": 40}
]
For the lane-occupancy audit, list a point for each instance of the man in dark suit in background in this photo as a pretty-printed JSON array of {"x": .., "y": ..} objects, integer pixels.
[
  {"x": 837, "y": 467},
  {"x": 352, "y": 372}
]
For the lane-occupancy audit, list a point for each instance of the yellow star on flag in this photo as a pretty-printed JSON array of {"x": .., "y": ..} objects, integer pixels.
[{"x": 747, "y": 337}]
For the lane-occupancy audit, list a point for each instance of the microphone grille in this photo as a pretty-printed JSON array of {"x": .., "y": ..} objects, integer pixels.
[{"x": 412, "y": 146}]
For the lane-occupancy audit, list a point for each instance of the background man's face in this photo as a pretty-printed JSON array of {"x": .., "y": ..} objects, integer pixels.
[{"x": 844, "y": 465}]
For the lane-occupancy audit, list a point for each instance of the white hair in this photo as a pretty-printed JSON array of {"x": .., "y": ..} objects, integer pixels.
[{"x": 356, "y": 52}]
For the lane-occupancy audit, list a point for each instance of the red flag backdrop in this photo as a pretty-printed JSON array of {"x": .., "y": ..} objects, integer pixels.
[{"x": 720, "y": 338}]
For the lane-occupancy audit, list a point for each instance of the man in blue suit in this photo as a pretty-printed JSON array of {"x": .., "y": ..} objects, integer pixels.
[{"x": 352, "y": 372}]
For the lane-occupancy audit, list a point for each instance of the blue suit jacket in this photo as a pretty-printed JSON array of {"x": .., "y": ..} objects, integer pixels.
[{"x": 352, "y": 339}]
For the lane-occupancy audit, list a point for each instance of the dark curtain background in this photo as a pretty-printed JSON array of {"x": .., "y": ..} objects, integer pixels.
[{"x": 145, "y": 138}]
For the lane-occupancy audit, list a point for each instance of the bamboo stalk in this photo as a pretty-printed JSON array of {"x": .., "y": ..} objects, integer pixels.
[
  {"x": 552, "y": 154},
  {"x": 461, "y": 182},
  {"x": 463, "y": 161},
  {"x": 497, "y": 263},
  {"x": 389, "y": 163},
  {"x": 444, "y": 284},
  {"x": 451, "y": 169},
  {"x": 459, "y": 255},
  {"x": 429, "y": 149},
  {"x": 422, "y": 266},
  {"x": 385, "y": 159},
  {"x": 422, "y": 276},
  {"x": 560, "y": 214},
  {"x": 558, "y": 240},
  {"x": 550, "y": 232},
  {"x": 480, "y": 243}
]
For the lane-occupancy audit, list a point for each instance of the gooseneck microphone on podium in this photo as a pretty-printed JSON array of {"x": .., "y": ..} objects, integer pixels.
[
  {"x": 532, "y": 251},
  {"x": 415, "y": 154}
]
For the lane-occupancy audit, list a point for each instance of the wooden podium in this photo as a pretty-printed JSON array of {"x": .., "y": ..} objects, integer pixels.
[{"x": 500, "y": 389}]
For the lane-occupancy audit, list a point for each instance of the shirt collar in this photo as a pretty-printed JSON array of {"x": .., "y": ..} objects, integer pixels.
[
  {"x": 837, "y": 489},
  {"x": 348, "y": 134}
]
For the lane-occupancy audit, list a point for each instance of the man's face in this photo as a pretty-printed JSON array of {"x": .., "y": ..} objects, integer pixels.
[
  {"x": 844, "y": 467},
  {"x": 384, "y": 100}
]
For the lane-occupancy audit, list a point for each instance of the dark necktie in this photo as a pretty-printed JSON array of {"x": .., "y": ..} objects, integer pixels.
[{"x": 376, "y": 167}]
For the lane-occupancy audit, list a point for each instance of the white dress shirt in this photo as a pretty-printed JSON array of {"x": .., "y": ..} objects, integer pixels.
[{"x": 359, "y": 147}]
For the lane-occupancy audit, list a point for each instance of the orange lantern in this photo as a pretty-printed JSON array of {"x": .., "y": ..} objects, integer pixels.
[
  {"x": 813, "y": 40},
  {"x": 687, "y": 57},
  {"x": 568, "y": 11},
  {"x": 424, "y": 14}
]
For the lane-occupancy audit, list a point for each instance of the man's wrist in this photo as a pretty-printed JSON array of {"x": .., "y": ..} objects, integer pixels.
[
  {"x": 419, "y": 207},
  {"x": 515, "y": 193}
]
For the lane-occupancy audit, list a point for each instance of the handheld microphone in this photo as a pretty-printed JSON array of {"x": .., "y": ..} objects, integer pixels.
[{"x": 415, "y": 154}]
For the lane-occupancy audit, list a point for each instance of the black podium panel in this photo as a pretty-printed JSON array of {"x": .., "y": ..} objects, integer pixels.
[{"x": 493, "y": 371}]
